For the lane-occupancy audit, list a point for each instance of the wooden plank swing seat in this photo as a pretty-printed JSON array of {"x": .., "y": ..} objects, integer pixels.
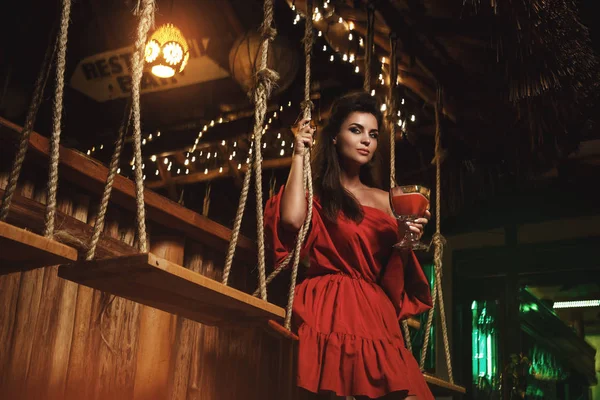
[
  {"x": 441, "y": 387},
  {"x": 22, "y": 250},
  {"x": 156, "y": 282}
]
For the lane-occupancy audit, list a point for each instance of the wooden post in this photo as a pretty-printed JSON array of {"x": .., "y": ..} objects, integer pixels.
[{"x": 157, "y": 329}]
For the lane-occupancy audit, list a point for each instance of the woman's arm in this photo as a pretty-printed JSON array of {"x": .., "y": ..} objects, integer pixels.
[{"x": 293, "y": 202}]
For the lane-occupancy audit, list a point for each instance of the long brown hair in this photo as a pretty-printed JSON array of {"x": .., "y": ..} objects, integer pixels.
[{"x": 326, "y": 164}]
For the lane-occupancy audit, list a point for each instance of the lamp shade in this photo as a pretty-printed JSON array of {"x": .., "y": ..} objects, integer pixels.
[
  {"x": 167, "y": 51},
  {"x": 245, "y": 55}
]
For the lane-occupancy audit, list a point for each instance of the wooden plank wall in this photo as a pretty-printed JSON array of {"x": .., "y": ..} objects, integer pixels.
[{"x": 59, "y": 340}]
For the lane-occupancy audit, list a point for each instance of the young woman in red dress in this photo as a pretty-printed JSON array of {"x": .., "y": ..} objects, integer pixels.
[{"x": 348, "y": 309}]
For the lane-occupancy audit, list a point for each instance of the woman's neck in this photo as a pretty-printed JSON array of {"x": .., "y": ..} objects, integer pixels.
[{"x": 350, "y": 180}]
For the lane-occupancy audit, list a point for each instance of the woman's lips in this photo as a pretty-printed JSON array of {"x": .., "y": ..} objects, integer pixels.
[{"x": 364, "y": 152}]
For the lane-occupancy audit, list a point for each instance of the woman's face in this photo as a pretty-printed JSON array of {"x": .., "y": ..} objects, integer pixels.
[{"x": 356, "y": 142}]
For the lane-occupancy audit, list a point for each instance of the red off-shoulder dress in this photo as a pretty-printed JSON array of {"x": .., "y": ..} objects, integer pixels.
[{"x": 348, "y": 308}]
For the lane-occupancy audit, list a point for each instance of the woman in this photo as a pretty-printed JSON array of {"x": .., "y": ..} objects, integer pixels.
[{"x": 357, "y": 287}]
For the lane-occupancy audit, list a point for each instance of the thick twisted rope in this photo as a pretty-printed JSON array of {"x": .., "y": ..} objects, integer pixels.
[
  {"x": 110, "y": 179},
  {"x": 34, "y": 106},
  {"x": 61, "y": 60},
  {"x": 235, "y": 233},
  {"x": 391, "y": 119},
  {"x": 146, "y": 13},
  {"x": 392, "y": 108},
  {"x": 428, "y": 326},
  {"x": 369, "y": 45},
  {"x": 406, "y": 331},
  {"x": 265, "y": 81},
  {"x": 438, "y": 241},
  {"x": 306, "y": 107},
  {"x": 307, "y": 178}
]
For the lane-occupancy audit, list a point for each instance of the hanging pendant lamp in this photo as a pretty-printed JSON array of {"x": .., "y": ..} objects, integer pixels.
[{"x": 167, "y": 51}]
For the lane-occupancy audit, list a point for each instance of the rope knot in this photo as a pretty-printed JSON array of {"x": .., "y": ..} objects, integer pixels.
[
  {"x": 307, "y": 104},
  {"x": 268, "y": 32},
  {"x": 265, "y": 82},
  {"x": 438, "y": 239}
]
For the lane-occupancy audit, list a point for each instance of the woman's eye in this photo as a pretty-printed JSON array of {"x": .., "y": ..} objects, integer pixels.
[
  {"x": 354, "y": 130},
  {"x": 374, "y": 135}
]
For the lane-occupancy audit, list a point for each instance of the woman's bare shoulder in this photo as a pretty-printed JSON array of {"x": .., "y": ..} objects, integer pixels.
[{"x": 381, "y": 199}]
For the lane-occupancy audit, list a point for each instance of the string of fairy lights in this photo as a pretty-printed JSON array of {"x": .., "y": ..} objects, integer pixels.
[{"x": 278, "y": 142}]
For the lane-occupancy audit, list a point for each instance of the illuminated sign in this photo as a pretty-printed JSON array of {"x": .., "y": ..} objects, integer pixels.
[{"x": 107, "y": 76}]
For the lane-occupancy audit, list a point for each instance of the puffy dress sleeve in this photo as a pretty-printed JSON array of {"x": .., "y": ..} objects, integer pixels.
[
  {"x": 280, "y": 240},
  {"x": 406, "y": 285}
]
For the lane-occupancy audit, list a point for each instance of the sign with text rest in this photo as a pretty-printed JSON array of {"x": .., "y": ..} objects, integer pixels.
[{"x": 107, "y": 76}]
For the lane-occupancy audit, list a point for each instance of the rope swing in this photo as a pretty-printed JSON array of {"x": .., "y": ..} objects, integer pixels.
[
  {"x": 34, "y": 106},
  {"x": 265, "y": 80},
  {"x": 438, "y": 241},
  {"x": 145, "y": 9},
  {"x": 306, "y": 107},
  {"x": 160, "y": 281},
  {"x": 60, "y": 50}
]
